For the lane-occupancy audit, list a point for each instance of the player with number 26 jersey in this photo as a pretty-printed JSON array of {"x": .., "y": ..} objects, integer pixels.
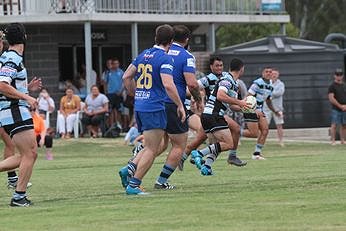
[{"x": 150, "y": 92}]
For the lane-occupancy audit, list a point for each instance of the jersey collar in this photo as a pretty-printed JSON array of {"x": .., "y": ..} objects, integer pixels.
[
  {"x": 158, "y": 47},
  {"x": 177, "y": 44}
]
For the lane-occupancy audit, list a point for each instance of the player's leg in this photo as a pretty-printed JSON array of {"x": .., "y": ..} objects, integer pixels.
[
  {"x": 263, "y": 127},
  {"x": 235, "y": 131},
  {"x": 25, "y": 142}
]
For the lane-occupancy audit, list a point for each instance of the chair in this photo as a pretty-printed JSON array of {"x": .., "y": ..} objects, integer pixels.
[{"x": 77, "y": 126}]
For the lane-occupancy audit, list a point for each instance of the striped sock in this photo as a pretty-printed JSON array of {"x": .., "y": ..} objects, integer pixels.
[
  {"x": 134, "y": 182},
  {"x": 184, "y": 156},
  {"x": 131, "y": 168},
  {"x": 213, "y": 148},
  {"x": 12, "y": 176},
  {"x": 19, "y": 195},
  {"x": 166, "y": 172},
  {"x": 258, "y": 148}
]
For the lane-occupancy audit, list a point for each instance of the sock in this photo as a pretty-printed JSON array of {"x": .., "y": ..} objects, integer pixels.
[
  {"x": 258, "y": 148},
  {"x": 166, "y": 172},
  {"x": 213, "y": 148},
  {"x": 12, "y": 176},
  {"x": 131, "y": 168},
  {"x": 134, "y": 182},
  {"x": 184, "y": 156},
  {"x": 19, "y": 195},
  {"x": 232, "y": 153},
  {"x": 241, "y": 132}
]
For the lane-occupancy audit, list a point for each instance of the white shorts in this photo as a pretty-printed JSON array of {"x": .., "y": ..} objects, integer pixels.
[{"x": 278, "y": 120}]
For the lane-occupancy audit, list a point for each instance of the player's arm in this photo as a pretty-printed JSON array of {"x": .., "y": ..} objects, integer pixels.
[
  {"x": 271, "y": 107},
  {"x": 128, "y": 79},
  {"x": 172, "y": 92},
  {"x": 11, "y": 92},
  {"x": 223, "y": 96},
  {"x": 35, "y": 84}
]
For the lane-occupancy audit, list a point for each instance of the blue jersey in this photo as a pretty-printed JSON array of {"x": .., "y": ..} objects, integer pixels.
[
  {"x": 13, "y": 72},
  {"x": 150, "y": 92},
  {"x": 184, "y": 61},
  {"x": 262, "y": 90}
]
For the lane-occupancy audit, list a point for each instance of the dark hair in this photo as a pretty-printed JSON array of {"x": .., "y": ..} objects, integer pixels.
[
  {"x": 113, "y": 59},
  {"x": 213, "y": 59},
  {"x": 181, "y": 33},
  {"x": 15, "y": 33},
  {"x": 164, "y": 35},
  {"x": 236, "y": 65}
]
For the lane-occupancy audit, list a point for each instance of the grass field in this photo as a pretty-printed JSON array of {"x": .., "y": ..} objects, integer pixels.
[{"x": 299, "y": 187}]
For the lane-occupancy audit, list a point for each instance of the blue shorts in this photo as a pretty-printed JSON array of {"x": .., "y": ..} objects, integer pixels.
[
  {"x": 151, "y": 120},
  {"x": 338, "y": 117},
  {"x": 174, "y": 124}
]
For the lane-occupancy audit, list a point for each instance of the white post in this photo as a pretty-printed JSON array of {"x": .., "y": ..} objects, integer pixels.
[
  {"x": 88, "y": 54},
  {"x": 211, "y": 37},
  {"x": 134, "y": 39}
]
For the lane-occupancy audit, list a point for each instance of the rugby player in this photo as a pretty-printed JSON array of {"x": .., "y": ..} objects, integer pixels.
[{"x": 149, "y": 78}]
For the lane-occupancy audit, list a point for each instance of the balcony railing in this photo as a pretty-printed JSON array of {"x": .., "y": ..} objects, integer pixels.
[{"x": 188, "y": 7}]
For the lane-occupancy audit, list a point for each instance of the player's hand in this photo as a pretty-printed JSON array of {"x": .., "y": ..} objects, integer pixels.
[
  {"x": 242, "y": 104},
  {"x": 35, "y": 84},
  {"x": 181, "y": 113},
  {"x": 199, "y": 106},
  {"x": 32, "y": 102},
  {"x": 343, "y": 107},
  {"x": 279, "y": 114}
]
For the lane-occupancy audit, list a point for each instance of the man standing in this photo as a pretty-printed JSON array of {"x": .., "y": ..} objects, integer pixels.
[
  {"x": 15, "y": 116},
  {"x": 149, "y": 78},
  {"x": 256, "y": 122},
  {"x": 114, "y": 87},
  {"x": 337, "y": 97},
  {"x": 184, "y": 76},
  {"x": 277, "y": 100}
]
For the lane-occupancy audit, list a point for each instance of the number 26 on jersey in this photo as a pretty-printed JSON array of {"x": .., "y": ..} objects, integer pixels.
[{"x": 145, "y": 80}]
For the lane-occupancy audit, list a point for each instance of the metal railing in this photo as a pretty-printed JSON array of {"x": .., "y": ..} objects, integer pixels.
[{"x": 193, "y": 7}]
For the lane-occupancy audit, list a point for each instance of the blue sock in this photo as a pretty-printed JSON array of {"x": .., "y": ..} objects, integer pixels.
[
  {"x": 258, "y": 148},
  {"x": 19, "y": 195},
  {"x": 166, "y": 172},
  {"x": 131, "y": 168},
  {"x": 135, "y": 182}
]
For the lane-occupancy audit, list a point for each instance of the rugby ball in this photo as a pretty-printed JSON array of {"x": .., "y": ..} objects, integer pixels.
[{"x": 251, "y": 102}]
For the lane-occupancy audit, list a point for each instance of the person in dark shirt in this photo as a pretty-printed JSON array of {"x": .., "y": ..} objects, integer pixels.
[{"x": 337, "y": 97}]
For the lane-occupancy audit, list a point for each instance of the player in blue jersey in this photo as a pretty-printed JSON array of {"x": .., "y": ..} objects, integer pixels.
[
  {"x": 213, "y": 120},
  {"x": 150, "y": 79},
  {"x": 257, "y": 125},
  {"x": 15, "y": 116},
  {"x": 184, "y": 76}
]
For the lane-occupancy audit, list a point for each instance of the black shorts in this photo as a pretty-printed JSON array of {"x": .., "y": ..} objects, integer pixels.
[
  {"x": 115, "y": 101},
  {"x": 251, "y": 117},
  {"x": 174, "y": 124},
  {"x": 15, "y": 128},
  {"x": 212, "y": 123}
]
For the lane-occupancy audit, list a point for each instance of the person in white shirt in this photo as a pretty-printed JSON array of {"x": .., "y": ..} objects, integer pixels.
[
  {"x": 45, "y": 103},
  {"x": 277, "y": 100}
]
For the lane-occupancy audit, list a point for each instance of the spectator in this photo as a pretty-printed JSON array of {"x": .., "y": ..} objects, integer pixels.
[
  {"x": 69, "y": 106},
  {"x": 113, "y": 88},
  {"x": 132, "y": 134},
  {"x": 41, "y": 136},
  {"x": 96, "y": 106},
  {"x": 45, "y": 103},
  {"x": 277, "y": 100},
  {"x": 337, "y": 97}
]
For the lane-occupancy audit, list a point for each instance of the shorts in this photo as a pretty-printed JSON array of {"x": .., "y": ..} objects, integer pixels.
[
  {"x": 277, "y": 119},
  {"x": 213, "y": 123},
  {"x": 174, "y": 124},
  {"x": 115, "y": 101},
  {"x": 338, "y": 117},
  {"x": 18, "y": 127},
  {"x": 151, "y": 120},
  {"x": 251, "y": 117}
]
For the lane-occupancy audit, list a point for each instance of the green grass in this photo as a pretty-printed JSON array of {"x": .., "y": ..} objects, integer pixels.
[{"x": 299, "y": 187}]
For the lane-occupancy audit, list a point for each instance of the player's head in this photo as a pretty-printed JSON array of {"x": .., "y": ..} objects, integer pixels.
[
  {"x": 267, "y": 73},
  {"x": 338, "y": 75},
  {"x": 15, "y": 34},
  {"x": 236, "y": 65},
  {"x": 181, "y": 34},
  {"x": 216, "y": 65},
  {"x": 164, "y": 35}
]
